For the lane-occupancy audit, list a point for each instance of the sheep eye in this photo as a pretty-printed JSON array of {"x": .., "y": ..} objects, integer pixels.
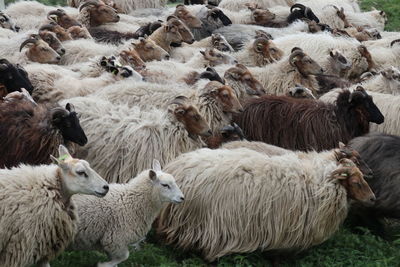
[
  {"x": 44, "y": 49},
  {"x": 2, "y": 20},
  {"x": 166, "y": 186},
  {"x": 82, "y": 173}
]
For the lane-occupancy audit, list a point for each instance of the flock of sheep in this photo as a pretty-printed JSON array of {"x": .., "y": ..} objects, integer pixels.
[{"x": 272, "y": 119}]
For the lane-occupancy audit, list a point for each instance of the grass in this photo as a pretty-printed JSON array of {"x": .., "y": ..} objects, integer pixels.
[{"x": 343, "y": 249}]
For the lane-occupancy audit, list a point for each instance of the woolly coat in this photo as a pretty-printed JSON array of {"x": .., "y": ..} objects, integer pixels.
[
  {"x": 240, "y": 200},
  {"x": 35, "y": 224}
]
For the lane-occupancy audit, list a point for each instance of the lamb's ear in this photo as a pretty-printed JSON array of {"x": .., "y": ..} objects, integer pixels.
[
  {"x": 64, "y": 153},
  {"x": 152, "y": 175},
  {"x": 156, "y": 165}
]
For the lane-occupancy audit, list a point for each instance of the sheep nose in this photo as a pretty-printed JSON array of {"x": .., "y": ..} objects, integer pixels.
[
  {"x": 372, "y": 199},
  {"x": 167, "y": 57},
  {"x": 63, "y": 51},
  {"x": 58, "y": 58},
  {"x": 240, "y": 110},
  {"x": 235, "y": 61},
  {"x": 182, "y": 198},
  {"x": 106, "y": 188},
  {"x": 209, "y": 132},
  {"x": 17, "y": 28}
]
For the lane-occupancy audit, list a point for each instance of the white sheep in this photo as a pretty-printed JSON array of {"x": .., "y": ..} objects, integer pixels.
[
  {"x": 237, "y": 5},
  {"x": 387, "y": 81},
  {"x": 374, "y": 19},
  {"x": 251, "y": 201},
  {"x": 386, "y": 56},
  {"x": 37, "y": 215},
  {"x": 139, "y": 201}
]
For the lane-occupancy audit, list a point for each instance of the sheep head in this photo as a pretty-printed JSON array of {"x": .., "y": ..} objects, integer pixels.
[
  {"x": 79, "y": 32},
  {"x": 61, "y": 18},
  {"x": 189, "y": 116},
  {"x": 77, "y": 176},
  {"x": 14, "y": 77},
  {"x": 187, "y": 17},
  {"x": 224, "y": 95},
  {"x": 215, "y": 57},
  {"x": 216, "y": 14},
  {"x": 300, "y": 92},
  {"x": 263, "y": 34},
  {"x": 232, "y": 132},
  {"x": 339, "y": 63},
  {"x": 39, "y": 51},
  {"x": 241, "y": 75},
  {"x": 7, "y": 23},
  {"x": 351, "y": 178},
  {"x": 268, "y": 51},
  {"x": 219, "y": 42},
  {"x": 67, "y": 122},
  {"x": 52, "y": 40},
  {"x": 184, "y": 31},
  {"x": 391, "y": 73},
  {"x": 299, "y": 11},
  {"x": 362, "y": 102},
  {"x": 98, "y": 13},
  {"x": 149, "y": 50},
  {"x": 60, "y": 32},
  {"x": 133, "y": 58},
  {"x": 304, "y": 64},
  {"x": 261, "y": 16}
]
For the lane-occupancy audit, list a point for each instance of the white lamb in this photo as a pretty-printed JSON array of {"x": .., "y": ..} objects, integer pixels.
[{"x": 139, "y": 202}]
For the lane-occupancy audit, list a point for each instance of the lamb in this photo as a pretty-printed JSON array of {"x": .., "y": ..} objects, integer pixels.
[
  {"x": 13, "y": 78},
  {"x": 330, "y": 123},
  {"x": 258, "y": 186},
  {"x": 42, "y": 130},
  {"x": 38, "y": 219},
  {"x": 141, "y": 200},
  {"x": 298, "y": 68},
  {"x": 138, "y": 136}
]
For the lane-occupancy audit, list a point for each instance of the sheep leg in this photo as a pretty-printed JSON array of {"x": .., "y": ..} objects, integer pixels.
[{"x": 115, "y": 258}]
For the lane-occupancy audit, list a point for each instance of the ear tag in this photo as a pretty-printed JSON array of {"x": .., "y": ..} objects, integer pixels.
[
  {"x": 344, "y": 174},
  {"x": 63, "y": 157}
]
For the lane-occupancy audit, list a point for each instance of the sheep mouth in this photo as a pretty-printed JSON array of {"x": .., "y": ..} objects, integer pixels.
[
  {"x": 176, "y": 202},
  {"x": 98, "y": 194}
]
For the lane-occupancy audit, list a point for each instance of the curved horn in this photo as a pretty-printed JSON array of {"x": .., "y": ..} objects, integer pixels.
[
  {"x": 179, "y": 100},
  {"x": 295, "y": 53},
  {"x": 28, "y": 41},
  {"x": 88, "y": 3},
  {"x": 58, "y": 12},
  {"x": 302, "y": 7},
  {"x": 394, "y": 41},
  {"x": 47, "y": 27}
]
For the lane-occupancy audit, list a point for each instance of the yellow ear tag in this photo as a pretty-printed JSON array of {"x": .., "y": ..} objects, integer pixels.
[{"x": 63, "y": 157}]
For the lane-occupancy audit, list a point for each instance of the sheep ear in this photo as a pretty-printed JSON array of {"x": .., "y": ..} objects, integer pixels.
[
  {"x": 64, "y": 153},
  {"x": 203, "y": 53},
  {"x": 341, "y": 145},
  {"x": 54, "y": 160},
  {"x": 152, "y": 175},
  {"x": 156, "y": 165}
]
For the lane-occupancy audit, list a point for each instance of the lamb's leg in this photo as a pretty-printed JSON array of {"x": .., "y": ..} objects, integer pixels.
[{"x": 116, "y": 257}]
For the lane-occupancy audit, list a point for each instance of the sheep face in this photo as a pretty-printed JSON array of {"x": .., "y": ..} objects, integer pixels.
[
  {"x": 380, "y": 16},
  {"x": 300, "y": 92},
  {"x": 183, "y": 30},
  {"x": 188, "y": 18},
  {"x": 7, "y": 23},
  {"x": 60, "y": 32},
  {"x": 231, "y": 133},
  {"x": 268, "y": 50},
  {"x": 352, "y": 179},
  {"x": 52, "y": 40},
  {"x": 339, "y": 63},
  {"x": 303, "y": 63},
  {"x": 14, "y": 78},
  {"x": 392, "y": 75},
  {"x": 63, "y": 19},
  {"x": 40, "y": 51},
  {"x": 215, "y": 57},
  {"x": 78, "y": 177},
  {"x": 132, "y": 57},
  {"x": 67, "y": 122},
  {"x": 165, "y": 185},
  {"x": 242, "y": 76},
  {"x": 102, "y": 14},
  {"x": 190, "y": 117},
  {"x": 219, "y": 42},
  {"x": 225, "y": 96},
  {"x": 149, "y": 50},
  {"x": 363, "y": 103},
  {"x": 78, "y": 32},
  {"x": 262, "y": 16}
]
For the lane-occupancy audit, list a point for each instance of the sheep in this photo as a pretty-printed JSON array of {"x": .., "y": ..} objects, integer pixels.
[
  {"x": 374, "y": 19},
  {"x": 51, "y": 39},
  {"x": 13, "y": 78},
  {"x": 330, "y": 123},
  {"x": 258, "y": 53},
  {"x": 166, "y": 35},
  {"x": 243, "y": 83},
  {"x": 313, "y": 188},
  {"x": 163, "y": 133},
  {"x": 298, "y": 68},
  {"x": 387, "y": 81},
  {"x": 149, "y": 50},
  {"x": 141, "y": 200},
  {"x": 7, "y": 23},
  {"x": 60, "y": 17},
  {"x": 348, "y": 5},
  {"x": 300, "y": 92},
  {"x": 38, "y": 219},
  {"x": 42, "y": 129},
  {"x": 380, "y": 153},
  {"x": 61, "y": 33},
  {"x": 126, "y": 6},
  {"x": 211, "y": 19},
  {"x": 228, "y": 133},
  {"x": 386, "y": 56},
  {"x": 210, "y": 74},
  {"x": 187, "y": 17},
  {"x": 238, "y": 5},
  {"x": 94, "y": 13},
  {"x": 78, "y": 32}
]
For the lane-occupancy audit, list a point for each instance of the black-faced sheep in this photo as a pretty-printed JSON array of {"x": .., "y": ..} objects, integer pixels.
[
  {"x": 240, "y": 200},
  {"x": 30, "y": 133},
  {"x": 38, "y": 219},
  {"x": 306, "y": 124},
  {"x": 13, "y": 78}
]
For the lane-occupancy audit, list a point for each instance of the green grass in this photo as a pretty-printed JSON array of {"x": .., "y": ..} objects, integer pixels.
[{"x": 391, "y": 7}]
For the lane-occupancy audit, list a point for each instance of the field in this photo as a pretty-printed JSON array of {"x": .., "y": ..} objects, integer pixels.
[{"x": 345, "y": 248}]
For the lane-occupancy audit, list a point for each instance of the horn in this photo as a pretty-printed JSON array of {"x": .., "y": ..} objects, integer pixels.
[
  {"x": 58, "y": 12},
  {"x": 179, "y": 100},
  {"x": 88, "y": 3},
  {"x": 295, "y": 53},
  {"x": 302, "y": 7},
  {"x": 47, "y": 27},
  {"x": 260, "y": 40},
  {"x": 28, "y": 41},
  {"x": 394, "y": 41},
  {"x": 171, "y": 17}
]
